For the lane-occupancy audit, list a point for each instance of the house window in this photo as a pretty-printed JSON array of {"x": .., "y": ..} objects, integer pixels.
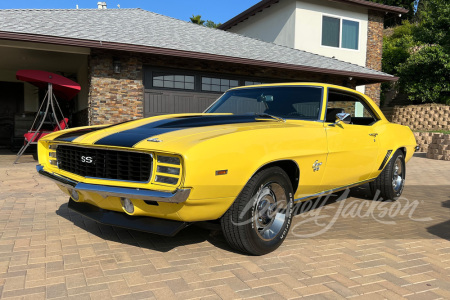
[
  {"x": 350, "y": 34},
  {"x": 165, "y": 80},
  {"x": 340, "y": 33},
  {"x": 252, "y": 82},
  {"x": 192, "y": 81},
  {"x": 218, "y": 84}
]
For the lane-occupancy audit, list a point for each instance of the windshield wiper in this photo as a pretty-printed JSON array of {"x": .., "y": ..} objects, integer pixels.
[{"x": 263, "y": 115}]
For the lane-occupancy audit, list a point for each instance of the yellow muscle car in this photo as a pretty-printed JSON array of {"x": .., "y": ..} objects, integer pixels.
[{"x": 245, "y": 162}]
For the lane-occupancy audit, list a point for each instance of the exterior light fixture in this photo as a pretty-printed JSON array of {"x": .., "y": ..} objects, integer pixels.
[
  {"x": 221, "y": 172},
  {"x": 116, "y": 65},
  {"x": 74, "y": 194},
  {"x": 127, "y": 205}
]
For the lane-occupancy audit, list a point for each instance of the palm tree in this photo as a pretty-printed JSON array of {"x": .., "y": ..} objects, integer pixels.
[{"x": 197, "y": 19}]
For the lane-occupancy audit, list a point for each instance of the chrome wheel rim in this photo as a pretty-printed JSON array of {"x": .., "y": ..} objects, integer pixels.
[
  {"x": 397, "y": 177},
  {"x": 269, "y": 211}
]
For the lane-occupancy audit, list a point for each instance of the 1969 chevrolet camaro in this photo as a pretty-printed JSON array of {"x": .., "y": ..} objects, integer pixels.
[{"x": 245, "y": 162}]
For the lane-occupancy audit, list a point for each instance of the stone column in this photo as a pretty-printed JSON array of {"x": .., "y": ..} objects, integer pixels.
[
  {"x": 374, "y": 50},
  {"x": 115, "y": 97}
]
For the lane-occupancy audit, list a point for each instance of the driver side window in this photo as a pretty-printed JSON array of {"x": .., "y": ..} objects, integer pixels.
[{"x": 339, "y": 102}]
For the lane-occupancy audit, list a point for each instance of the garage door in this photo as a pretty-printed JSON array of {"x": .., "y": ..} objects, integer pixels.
[
  {"x": 173, "y": 91},
  {"x": 160, "y": 102}
]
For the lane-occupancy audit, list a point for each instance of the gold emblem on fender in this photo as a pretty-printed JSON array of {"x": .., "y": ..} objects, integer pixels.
[{"x": 316, "y": 166}]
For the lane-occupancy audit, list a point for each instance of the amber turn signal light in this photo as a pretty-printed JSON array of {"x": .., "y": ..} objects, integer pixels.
[{"x": 221, "y": 172}]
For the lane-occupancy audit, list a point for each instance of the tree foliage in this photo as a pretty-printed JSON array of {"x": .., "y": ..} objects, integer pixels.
[
  {"x": 425, "y": 75},
  {"x": 211, "y": 24},
  {"x": 197, "y": 19},
  {"x": 396, "y": 47},
  {"x": 434, "y": 23},
  {"x": 418, "y": 51}
]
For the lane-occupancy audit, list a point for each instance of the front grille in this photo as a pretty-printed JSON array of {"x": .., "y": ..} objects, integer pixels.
[{"x": 107, "y": 164}]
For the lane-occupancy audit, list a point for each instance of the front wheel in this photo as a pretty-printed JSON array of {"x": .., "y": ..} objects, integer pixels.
[
  {"x": 260, "y": 217},
  {"x": 391, "y": 181}
]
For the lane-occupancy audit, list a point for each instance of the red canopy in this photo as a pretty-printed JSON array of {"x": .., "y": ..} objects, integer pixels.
[{"x": 62, "y": 86}]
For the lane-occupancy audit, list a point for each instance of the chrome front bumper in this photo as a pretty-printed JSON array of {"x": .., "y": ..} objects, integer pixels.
[{"x": 178, "y": 196}]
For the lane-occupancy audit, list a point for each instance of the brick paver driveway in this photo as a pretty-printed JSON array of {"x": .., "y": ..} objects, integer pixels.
[{"x": 354, "y": 248}]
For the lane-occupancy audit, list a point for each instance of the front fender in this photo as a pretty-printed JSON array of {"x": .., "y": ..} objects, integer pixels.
[{"x": 244, "y": 153}]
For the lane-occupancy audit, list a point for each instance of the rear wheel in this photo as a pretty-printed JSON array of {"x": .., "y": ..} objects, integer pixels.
[
  {"x": 391, "y": 181},
  {"x": 260, "y": 217}
]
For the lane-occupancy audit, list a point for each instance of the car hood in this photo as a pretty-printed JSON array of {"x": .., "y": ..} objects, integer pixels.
[{"x": 170, "y": 130}]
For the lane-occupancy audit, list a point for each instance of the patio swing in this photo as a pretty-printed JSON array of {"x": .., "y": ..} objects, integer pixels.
[{"x": 56, "y": 85}]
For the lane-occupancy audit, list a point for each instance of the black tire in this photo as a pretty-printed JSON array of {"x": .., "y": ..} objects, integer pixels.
[
  {"x": 35, "y": 155},
  {"x": 269, "y": 191},
  {"x": 384, "y": 183}
]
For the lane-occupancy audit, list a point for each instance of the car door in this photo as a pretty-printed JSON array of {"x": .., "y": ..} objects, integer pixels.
[{"x": 352, "y": 148}]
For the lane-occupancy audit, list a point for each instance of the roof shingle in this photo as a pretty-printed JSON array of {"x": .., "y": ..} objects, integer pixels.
[{"x": 143, "y": 28}]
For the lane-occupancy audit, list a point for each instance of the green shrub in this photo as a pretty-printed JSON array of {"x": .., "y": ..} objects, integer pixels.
[
  {"x": 425, "y": 75},
  {"x": 396, "y": 50},
  {"x": 435, "y": 23}
]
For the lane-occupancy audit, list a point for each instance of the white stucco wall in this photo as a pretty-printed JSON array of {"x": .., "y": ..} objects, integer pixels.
[
  {"x": 361, "y": 89},
  {"x": 275, "y": 24},
  {"x": 298, "y": 24},
  {"x": 308, "y": 29}
]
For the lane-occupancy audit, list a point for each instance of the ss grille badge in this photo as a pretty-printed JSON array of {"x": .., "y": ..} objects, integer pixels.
[{"x": 87, "y": 159}]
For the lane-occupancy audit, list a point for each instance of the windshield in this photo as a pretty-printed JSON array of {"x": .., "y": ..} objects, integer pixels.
[{"x": 289, "y": 102}]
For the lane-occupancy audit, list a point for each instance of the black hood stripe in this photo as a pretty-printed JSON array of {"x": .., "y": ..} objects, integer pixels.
[
  {"x": 72, "y": 135},
  {"x": 130, "y": 137}
]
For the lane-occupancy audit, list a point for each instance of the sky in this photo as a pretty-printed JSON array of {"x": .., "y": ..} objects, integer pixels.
[{"x": 217, "y": 11}]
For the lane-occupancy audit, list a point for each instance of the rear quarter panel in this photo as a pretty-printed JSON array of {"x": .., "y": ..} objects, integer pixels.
[{"x": 393, "y": 137}]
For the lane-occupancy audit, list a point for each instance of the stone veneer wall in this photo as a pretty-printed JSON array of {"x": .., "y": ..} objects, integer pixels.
[
  {"x": 439, "y": 147},
  {"x": 425, "y": 117},
  {"x": 115, "y": 97},
  {"x": 374, "y": 51}
]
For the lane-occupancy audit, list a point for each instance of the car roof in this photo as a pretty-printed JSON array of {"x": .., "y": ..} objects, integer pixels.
[
  {"x": 368, "y": 100},
  {"x": 290, "y": 84}
]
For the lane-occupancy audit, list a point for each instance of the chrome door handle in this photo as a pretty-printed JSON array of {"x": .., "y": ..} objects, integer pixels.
[{"x": 373, "y": 134}]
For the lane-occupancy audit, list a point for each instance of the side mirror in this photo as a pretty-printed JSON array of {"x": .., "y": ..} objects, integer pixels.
[{"x": 343, "y": 117}]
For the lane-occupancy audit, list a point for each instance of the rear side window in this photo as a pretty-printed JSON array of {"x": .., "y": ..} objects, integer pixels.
[{"x": 338, "y": 102}]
